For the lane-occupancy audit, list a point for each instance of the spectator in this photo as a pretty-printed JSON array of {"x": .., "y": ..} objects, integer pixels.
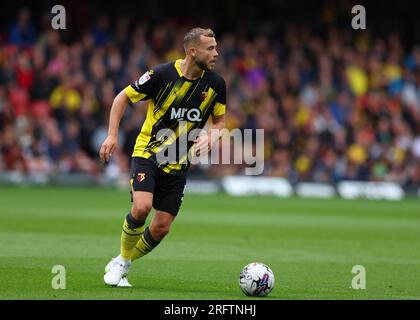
[
  {"x": 333, "y": 106},
  {"x": 22, "y": 32}
]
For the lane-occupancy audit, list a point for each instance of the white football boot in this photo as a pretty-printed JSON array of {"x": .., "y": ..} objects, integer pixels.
[
  {"x": 115, "y": 271},
  {"x": 124, "y": 280},
  {"x": 124, "y": 283}
]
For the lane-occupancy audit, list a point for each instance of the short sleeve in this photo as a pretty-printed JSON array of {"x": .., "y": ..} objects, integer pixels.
[
  {"x": 220, "y": 105},
  {"x": 143, "y": 88}
]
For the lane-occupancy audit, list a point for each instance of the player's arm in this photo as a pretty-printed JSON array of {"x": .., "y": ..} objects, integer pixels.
[
  {"x": 117, "y": 110},
  {"x": 218, "y": 114},
  {"x": 218, "y": 122},
  {"x": 204, "y": 143},
  {"x": 141, "y": 89}
]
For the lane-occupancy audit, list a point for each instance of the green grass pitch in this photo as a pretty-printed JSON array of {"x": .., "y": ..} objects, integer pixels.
[{"x": 311, "y": 245}]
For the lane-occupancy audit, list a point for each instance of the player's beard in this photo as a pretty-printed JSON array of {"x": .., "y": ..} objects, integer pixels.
[{"x": 201, "y": 64}]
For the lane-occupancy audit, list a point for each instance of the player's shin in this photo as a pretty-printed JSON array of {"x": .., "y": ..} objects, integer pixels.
[
  {"x": 131, "y": 232},
  {"x": 145, "y": 244}
]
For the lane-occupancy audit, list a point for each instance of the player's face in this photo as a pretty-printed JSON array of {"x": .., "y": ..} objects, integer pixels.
[{"x": 206, "y": 54}]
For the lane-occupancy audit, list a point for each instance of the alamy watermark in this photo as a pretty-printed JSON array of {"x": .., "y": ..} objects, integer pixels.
[
  {"x": 59, "y": 20},
  {"x": 359, "y": 280},
  {"x": 177, "y": 146},
  {"x": 359, "y": 20},
  {"x": 59, "y": 279}
]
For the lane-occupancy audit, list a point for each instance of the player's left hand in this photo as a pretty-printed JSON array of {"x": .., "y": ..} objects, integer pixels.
[
  {"x": 202, "y": 145},
  {"x": 108, "y": 147}
]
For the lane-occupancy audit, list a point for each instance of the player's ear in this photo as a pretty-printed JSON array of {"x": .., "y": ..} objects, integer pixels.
[{"x": 192, "y": 51}]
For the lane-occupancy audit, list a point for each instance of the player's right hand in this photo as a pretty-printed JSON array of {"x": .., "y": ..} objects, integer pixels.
[{"x": 108, "y": 147}]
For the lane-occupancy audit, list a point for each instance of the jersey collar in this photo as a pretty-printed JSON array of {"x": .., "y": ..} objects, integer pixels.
[{"x": 178, "y": 69}]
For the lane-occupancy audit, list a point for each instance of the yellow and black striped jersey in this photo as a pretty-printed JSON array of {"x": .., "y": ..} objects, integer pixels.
[{"x": 174, "y": 99}]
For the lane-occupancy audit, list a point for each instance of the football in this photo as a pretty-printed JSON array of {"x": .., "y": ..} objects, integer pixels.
[{"x": 256, "y": 279}]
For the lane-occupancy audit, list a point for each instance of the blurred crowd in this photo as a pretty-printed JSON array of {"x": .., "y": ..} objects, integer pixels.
[{"x": 341, "y": 105}]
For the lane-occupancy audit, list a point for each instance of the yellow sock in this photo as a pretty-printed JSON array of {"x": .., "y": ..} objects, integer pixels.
[
  {"x": 130, "y": 235},
  {"x": 144, "y": 245}
]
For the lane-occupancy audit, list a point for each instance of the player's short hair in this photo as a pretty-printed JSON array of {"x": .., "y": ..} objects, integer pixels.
[{"x": 192, "y": 36}]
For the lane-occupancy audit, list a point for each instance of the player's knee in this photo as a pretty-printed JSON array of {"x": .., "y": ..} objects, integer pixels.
[{"x": 140, "y": 211}]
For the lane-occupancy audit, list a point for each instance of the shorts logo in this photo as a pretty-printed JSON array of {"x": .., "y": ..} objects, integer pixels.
[{"x": 140, "y": 177}]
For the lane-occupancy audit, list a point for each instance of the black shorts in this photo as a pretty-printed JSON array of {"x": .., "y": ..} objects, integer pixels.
[{"x": 167, "y": 189}]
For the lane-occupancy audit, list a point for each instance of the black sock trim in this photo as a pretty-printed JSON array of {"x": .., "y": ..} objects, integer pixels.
[
  {"x": 132, "y": 222},
  {"x": 148, "y": 237},
  {"x": 141, "y": 251},
  {"x": 132, "y": 234}
]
